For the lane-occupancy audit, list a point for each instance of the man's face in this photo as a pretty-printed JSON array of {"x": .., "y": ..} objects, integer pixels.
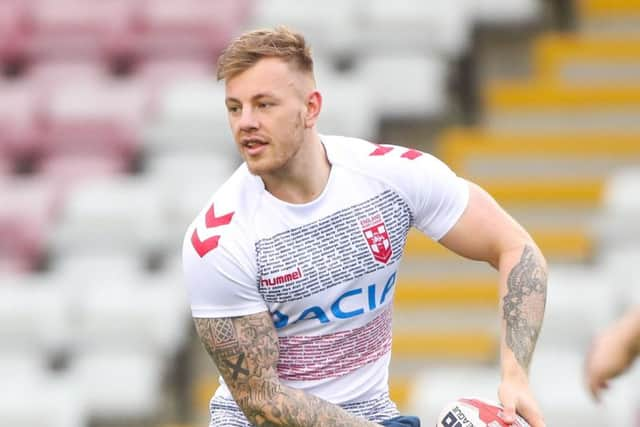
[{"x": 266, "y": 105}]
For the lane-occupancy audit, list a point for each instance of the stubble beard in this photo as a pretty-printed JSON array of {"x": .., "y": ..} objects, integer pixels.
[{"x": 276, "y": 163}]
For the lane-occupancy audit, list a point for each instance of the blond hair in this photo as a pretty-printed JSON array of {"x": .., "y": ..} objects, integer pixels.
[{"x": 280, "y": 42}]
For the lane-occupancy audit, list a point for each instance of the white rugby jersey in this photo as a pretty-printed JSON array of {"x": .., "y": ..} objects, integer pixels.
[{"x": 326, "y": 270}]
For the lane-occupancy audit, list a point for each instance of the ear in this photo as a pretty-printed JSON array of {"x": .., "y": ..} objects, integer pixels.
[{"x": 314, "y": 105}]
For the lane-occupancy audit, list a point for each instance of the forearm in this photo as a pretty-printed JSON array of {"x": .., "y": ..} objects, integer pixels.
[
  {"x": 245, "y": 350},
  {"x": 629, "y": 328},
  {"x": 523, "y": 277},
  {"x": 274, "y": 404}
]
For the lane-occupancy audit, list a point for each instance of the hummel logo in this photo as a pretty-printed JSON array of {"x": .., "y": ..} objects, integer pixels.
[{"x": 205, "y": 246}]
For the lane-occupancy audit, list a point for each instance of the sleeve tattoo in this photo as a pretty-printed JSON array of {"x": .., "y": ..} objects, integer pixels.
[
  {"x": 524, "y": 304},
  {"x": 245, "y": 350}
]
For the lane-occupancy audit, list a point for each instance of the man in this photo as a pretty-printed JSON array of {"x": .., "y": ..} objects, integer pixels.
[
  {"x": 613, "y": 352},
  {"x": 291, "y": 265}
]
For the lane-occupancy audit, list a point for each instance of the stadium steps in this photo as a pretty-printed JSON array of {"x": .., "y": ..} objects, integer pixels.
[
  {"x": 566, "y": 244},
  {"x": 460, "y": 148},
  {"x": 608, "y": 9},
  {"x": 448, "y": 292},
  {"x": 584, "y": 58},
  {"x": 607, "y": 17},
  {"x": 537, "y": 94}
]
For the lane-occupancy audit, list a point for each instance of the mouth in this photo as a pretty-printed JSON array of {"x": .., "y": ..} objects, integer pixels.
[{"x": 253, "y": 146}]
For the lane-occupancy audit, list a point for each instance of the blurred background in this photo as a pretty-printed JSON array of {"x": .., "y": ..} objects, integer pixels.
[{"x": 113, "y": 135}]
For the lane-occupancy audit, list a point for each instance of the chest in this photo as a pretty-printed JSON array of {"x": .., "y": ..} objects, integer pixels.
[{"x": 336, "y": 266}]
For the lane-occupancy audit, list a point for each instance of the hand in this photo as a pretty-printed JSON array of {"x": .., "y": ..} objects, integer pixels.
[
  {"x": 611, "y": 353},
  {"x": 515, "y": 396}
]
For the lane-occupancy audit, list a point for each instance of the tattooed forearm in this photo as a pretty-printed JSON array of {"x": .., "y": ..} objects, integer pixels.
[
  {"x": 523, "y": 305},
  {"x": 245, "y": 350}
]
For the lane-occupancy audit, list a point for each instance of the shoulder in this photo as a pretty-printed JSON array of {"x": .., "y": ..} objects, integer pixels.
[
  {"x": 393, "y": 165},
  {"x": 223, "y": 220}
]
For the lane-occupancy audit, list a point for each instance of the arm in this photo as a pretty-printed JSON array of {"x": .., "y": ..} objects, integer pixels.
[
  {"x": 613, "y": 351},
  {"x": 485, "y": 232},
  {"x": 245, "y": 350}
]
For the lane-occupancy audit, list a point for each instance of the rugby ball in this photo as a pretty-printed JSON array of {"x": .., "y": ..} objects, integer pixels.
[{"x": 475, "y": 412}]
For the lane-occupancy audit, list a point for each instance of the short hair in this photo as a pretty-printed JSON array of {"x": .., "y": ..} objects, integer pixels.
[{"x": 249, "y": 48}]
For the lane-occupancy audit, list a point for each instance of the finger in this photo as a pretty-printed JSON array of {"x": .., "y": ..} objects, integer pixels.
[
  {"x": 533, "y": 416},
  {"x": 509, "y": 410}
]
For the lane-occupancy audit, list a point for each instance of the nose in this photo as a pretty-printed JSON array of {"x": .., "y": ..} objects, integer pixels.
[{"x": 248, "y": 121}]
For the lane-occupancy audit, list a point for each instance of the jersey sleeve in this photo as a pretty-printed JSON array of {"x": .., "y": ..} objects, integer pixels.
[
  {"x": 438, "y": 195},
  {"x": 221, "y": 282}
]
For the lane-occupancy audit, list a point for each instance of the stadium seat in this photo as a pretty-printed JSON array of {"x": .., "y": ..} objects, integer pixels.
[
  {"x": 20, "y": 128},
  {"x": 59, "y": 403},
  {"x": 557, "y": 380},
  {"x": 7, "y": 165},
  {"x": 187, "y": 181},
  {"x": 418, "y": 93},
  {"x": 118, "y": 385},
  {"x": 570, "y": 323},
  {"x": 158, "y": 75},
  {"x": 196, "y": 29},
  {"x": 400, "y": 26},
  {"x": 75, "y": 29},
  {"x": 121, "y": 215},
  {"x": 46, "y": 74},
  {"x": 79, "y": 269},
  {"x": 348, "y": 107},
  {"x": 70, "y": 170},
  {"x": 620, "y": 263},
  {"x": 617, "y": 225},
  {"x": 13, "y": 32},
  {"x": 330, "y": 27},
  {"x": 510, "y": 13},
  {"x": 27, "y": 210},
  {"x": 190, "y": 116},
  {"x": 141, "y": 313},
  {"x": 108, "y": 124},
  {"x": 24, "y": 333}
]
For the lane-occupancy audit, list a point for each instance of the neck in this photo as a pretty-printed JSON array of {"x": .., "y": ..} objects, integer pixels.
[{"x": 305, "y": 178}]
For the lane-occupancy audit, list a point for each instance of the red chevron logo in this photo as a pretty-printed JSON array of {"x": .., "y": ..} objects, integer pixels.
[
  {"x": 212, "y": 221},
  {"x": 380, "y": 151},
  {"x": 411, "y": 154},
  {"x": 203, "y": 247}
]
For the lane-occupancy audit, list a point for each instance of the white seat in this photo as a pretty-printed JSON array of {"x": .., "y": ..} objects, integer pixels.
[
  {"x": 115, "y": 215},
  {"x": 33, "y": 318},
  {"x": 118, "y": 385},
  {"x": 505, "y": 12},
  {"x": 406, "y": 84},
  {"x": 41, "y": 400},
  {"x": 347, "y": 107},
  {"x": 330, "y": 26},
  {"x": 580, "y": 301},
  {"x": 618, "y": 222},
  {"x": 148, "y": 315},
  {"x": 415, "y": 25},
  {"x": 190, "y": 116},
  {"x": 187, "y": 181},
  {"x": 89, "y": 268},
  {"x": 557, "y": 381},
  {"x": 620, "y": 264}
]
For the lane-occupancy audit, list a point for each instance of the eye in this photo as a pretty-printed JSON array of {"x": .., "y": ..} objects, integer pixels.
[
  {"x": 264, "y": 105},
  {"x": 233, "y": 109}
]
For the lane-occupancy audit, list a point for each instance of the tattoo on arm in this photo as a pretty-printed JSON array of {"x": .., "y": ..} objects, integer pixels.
[
  {"x": 245, "y": 350},
  {"x": 523, "y": 305}
]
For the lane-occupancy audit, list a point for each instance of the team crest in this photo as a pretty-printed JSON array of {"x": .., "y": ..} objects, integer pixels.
[{"x": 375, "y": 232}]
